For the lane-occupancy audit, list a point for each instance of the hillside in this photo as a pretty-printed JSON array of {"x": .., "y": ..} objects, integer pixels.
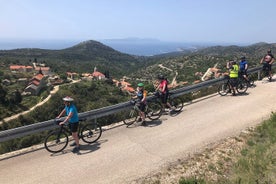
[
  {"x": 82, "y": 57},
  {"x": 185, "y": 65},
  {"x": 182, "y": 66}
]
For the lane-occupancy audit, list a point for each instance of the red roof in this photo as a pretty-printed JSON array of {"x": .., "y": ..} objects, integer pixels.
[
  {"x": 17, "y": 67},
  {"x": 97, "y": 74},
  {"x": 38, "y": 76},
  {"x": 42, "y": 68},
  {"x": 35, "y": 82}
]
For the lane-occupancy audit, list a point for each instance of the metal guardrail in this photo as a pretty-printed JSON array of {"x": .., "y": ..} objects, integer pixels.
[{"x": 101, "y": 112}]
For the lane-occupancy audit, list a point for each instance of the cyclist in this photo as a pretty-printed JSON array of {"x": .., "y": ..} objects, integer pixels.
[
  {"x": 267, "y": 61},
  {"x": 141, "y": 95},
  {"x": 233, "y": 74},
  {"x": 71, "y": 113},
  {"x": 243, "y": 68},
  {"x": 164, "y": 92}
]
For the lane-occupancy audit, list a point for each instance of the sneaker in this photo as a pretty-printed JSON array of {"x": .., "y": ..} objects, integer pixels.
[
  {"x": 73, "y": 144},
  {"x": 76, "y": 149},
  {"x": 173, "y": 108}
]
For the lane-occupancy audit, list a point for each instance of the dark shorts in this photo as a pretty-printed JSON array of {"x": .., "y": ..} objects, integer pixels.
[
  {"x": 141, "y": 106},
  {"x": 266, "y": 66},
  {"x": 73, "y": 127},
  {"x": 233, "y": 82},
  {"x": 164, "y": 98},
  {"x": 243, "y": 72}
]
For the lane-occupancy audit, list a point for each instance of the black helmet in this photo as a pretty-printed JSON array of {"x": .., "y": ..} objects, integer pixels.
[
  {"x": 161, "y": 77},
  {"x": 243, "y": 58}
]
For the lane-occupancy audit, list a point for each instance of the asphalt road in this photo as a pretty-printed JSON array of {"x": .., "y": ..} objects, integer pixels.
[{"x": 125, "y": 154}]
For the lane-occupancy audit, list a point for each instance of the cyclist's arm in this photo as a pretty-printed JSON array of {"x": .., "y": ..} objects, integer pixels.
[
  {"x": 272, "y": 60},
  {"x": 67, "y": 118},
  {"x": 61, "y": 113},
  {"x": 262, "y": 60},
  {"x": 158, "y": 87},
  {"x": 246, "y": 66},
  {"x": 144, "y": 96}
]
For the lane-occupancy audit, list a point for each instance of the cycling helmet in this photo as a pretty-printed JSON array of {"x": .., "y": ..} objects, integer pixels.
[
  {"x": 243, "y": 58},
  {"x": 140, "y": 85},
  {"x": 161, "y": 77},
  {"x": 68, "y": 99}
]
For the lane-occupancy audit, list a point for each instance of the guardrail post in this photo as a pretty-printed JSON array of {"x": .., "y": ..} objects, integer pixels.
[{"x": 259, "y": 75}]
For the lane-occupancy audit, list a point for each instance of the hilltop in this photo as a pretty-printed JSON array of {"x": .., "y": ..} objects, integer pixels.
[{"x": 82, "y": 57}]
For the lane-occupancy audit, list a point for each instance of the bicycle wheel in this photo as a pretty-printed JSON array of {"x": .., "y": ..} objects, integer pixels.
[
  {"x": 177, "y": 103},
  {"x": 91, "y": 132},
  {"x": 242, "y": 86},
  {"x": 154, "y": 110},
  {"x": 56, "y": 142},
  {"x": 223, "y": 89},
  {"x": 130, "y": 117}
]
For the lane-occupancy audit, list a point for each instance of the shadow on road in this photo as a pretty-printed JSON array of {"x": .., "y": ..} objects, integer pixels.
[
  {"x": 84, "y": 149},
  {"x": 152, "y": 123}
]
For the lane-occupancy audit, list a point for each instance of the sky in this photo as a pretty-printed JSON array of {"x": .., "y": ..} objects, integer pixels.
[{"x": 235, "y": 21}]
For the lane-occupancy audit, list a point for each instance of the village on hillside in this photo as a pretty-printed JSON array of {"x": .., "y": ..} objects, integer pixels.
[{"x": 43, "y": 77}]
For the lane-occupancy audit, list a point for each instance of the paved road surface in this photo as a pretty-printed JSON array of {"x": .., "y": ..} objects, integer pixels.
[{"x": 124, "y": 154}]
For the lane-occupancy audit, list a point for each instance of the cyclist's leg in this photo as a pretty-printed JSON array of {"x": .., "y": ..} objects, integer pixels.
[
  {"x": 74, "y": 129},
  {"x": 142, "y": 111},
  {"x": 233, "y": 85},
  {"x": 167, "y": 101},
  {"x": 245, "y": 76},
  {"x": 163, "y": 101},
  {"x": 270, "y": 72}
]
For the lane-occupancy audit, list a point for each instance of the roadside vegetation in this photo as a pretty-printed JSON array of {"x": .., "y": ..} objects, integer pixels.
[{"x": 246, "y": 159}]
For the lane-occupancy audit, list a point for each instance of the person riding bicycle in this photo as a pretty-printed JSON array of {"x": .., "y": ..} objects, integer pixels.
[
  {"x": 72, "y": 117},
  {"x": 267, "y": 61},
  {"x": 233, "y": 74},
  {"x": 141, "y": 95},
  {"x": 243, "y": 68},
  {"x": 164, "y": 92}
]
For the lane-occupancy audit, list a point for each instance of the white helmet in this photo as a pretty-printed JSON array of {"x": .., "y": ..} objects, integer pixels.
[{"x": 68, "y": 99}]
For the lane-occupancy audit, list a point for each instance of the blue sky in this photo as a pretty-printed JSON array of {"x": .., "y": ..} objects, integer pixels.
[{"x": 235, "y": 21}]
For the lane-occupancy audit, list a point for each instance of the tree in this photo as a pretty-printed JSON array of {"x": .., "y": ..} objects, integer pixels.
[
  {"x": 3, "y": 94},
  {"x": 17, "y": 97}
]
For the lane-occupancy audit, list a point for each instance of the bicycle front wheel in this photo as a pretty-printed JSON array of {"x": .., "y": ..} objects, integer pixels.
[
  {"x": 223, "y": 89},
  {"x": 177, "y": 103},
  {"x": 91, "y": 132},
  {"x": 130, "y": 117},
  {"x": 154, "y": 110},
  {"x": 242, "y": 86},
  {"x": 56, "y": 141}
]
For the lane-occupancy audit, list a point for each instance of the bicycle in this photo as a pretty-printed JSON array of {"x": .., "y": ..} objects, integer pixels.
[
  {"x": 56, "y": 141},
  {"x": 250, "y": 80},
  {"x": 176, "y": 102},
  {"x": 153, "y": 111},
  {"x": 225, "y": 87}
]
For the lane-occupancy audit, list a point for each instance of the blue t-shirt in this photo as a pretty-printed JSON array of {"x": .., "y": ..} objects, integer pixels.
[
  {"x": 242, "y": 64},
  {"x": 73, "y": 109}
]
